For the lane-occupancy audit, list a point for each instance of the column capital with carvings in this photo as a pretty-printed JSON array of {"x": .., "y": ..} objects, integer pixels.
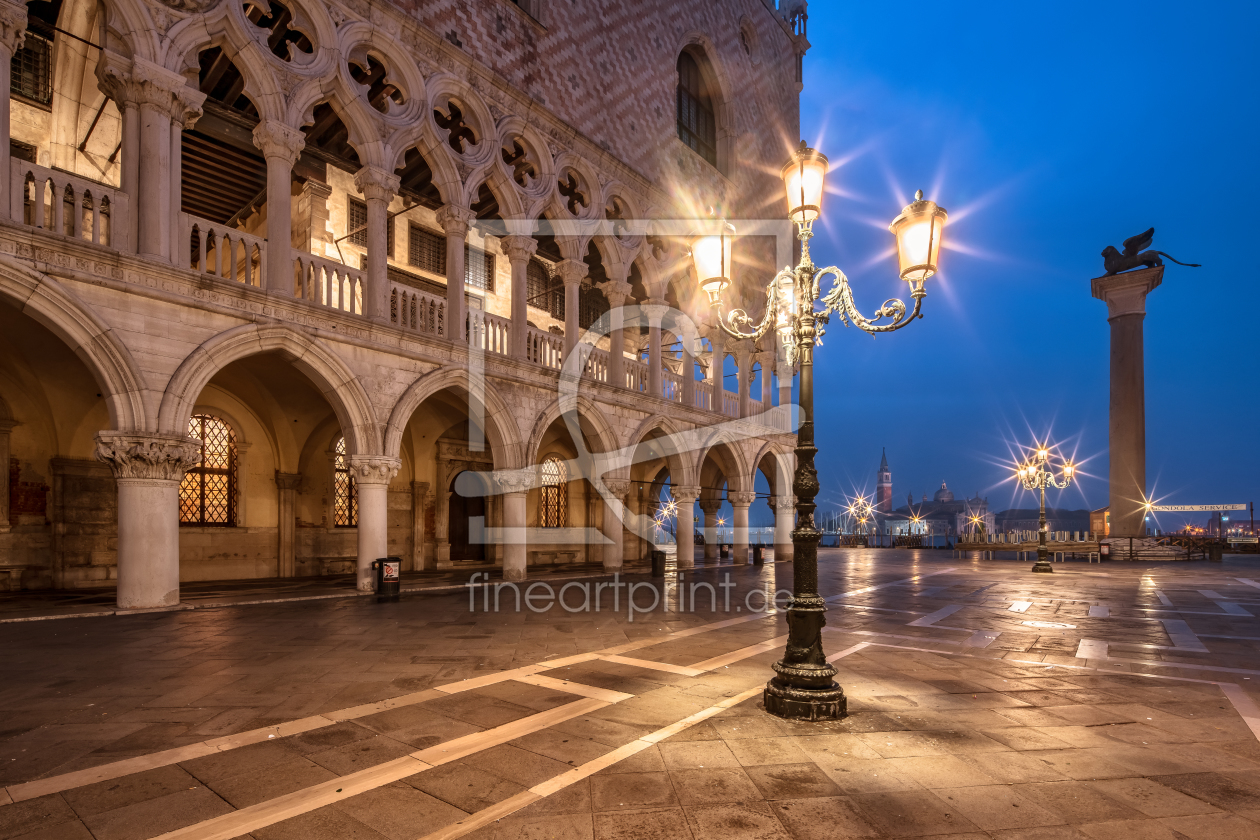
[
  {"x": 571, "y": 272},
  {"x": 1125, "y": 294},
  {"x": 618, "y": 487},
  {"x": 616, "y": 291},
  {"x": 143, "y": 455},
  {"x": 684, "y": 493},
  {"x": 277, "y": 140},
  {"x": 139, "y": 82},
  {"x": 781, "y": 502},
  {"x": 288, "y": 481},
  {"x": 374, "y": 469},
  {"x": 376, "y": 183},
  {"x": 455, "y": 219},
  {"x": 741, "y": 499},
  {"x": 518, "y": 248},
  {"x": 511, "y": 482},
  {"x": 710, "y": 506},
  {"x": 12, "y": 25}
]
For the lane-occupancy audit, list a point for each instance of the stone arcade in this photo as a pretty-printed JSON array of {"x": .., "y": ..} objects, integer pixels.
[{"x": 273, "y": 275}]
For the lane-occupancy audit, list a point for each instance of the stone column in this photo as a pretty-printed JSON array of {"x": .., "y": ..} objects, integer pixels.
[
  {"x": 419, "y": 501},
  {"x": 688, "y": 373},
  {"x": 372, "y": 475},
  {"x": 1125, "y": 295},
  {"x": 571, "y": 272},
  {"x": 710, "y": 508},
  {"x": 455, "y": 221},
  {"x": 613, "y": 523},
  {"x": 743, "y": 375},
  {"x": 656, "y": 310},
  {"x": 515, "y": 491},
  {"x": 784, "y": 521},
  {"x": 518, "y": 250},
  {"x": 378, "y": 188},
  {"x": 766, "y": 360},
  {"x": 281, "y": 146},
  {"x": 442, "y": 515},
  {"x": 148, "y": 469},
  {"x": 685, "y": 497},
  {"x": 12, "y": 34},
  {"x": 616, "y": 291},
  {"x": 6, "y": 426},
  {"x": 741, "y": 502},
  {"x": 287, "y": 485}
]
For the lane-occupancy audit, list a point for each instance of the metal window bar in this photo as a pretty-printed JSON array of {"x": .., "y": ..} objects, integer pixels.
[
  {"x": 345, "y": 494},
  {"x": 31, "y": 69},
  {"x": 207, "y": 493}
]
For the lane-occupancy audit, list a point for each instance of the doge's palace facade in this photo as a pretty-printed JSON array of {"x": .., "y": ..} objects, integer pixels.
[{"x": 282, "y": 282}]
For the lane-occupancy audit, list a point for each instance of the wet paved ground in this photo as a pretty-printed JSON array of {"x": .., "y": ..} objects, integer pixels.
[{"x": 1111, "y": 701}]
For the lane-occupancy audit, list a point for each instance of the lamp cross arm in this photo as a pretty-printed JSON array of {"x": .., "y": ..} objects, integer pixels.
[
  {"x": 737, "y": 322},
  {"x": 839, "y": 300}
]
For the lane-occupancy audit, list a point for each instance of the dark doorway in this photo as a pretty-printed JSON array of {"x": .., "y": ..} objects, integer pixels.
[{"x": 462, "y": 510}]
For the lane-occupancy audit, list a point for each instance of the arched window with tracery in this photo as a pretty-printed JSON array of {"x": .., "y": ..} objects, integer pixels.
[
  {"x": 207, "y": 495},
  {"x": 345, "y": 494},
  {"x": 554, "y": 503},
  {"x": 696, "y": 124}
]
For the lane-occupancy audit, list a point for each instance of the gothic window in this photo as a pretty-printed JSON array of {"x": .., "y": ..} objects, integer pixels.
[
  {"x": 426, "y": 250},
  {"x": 345, "y": 494},
  {"x": 31, "y": 66},
  {"x": 696, "y": 125},
  {"x": 356, "y": 225},
  {"x": 478, "y": 269},
  {"x": 207, "y": 495},
  {"x": 591, "y": 305},
  {"x": 554, "y": 502}
]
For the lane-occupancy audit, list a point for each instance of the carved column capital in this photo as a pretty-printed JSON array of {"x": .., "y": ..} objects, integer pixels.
[
  {"x": 710, "y": 506},
  {"x": 518, "y": 248},
  {"x": 782, "y": 502},
  {"x": 376, "y": 183},
  {"x": 147, "y": 456},
  {"x": 288, "y": 481},
  {"x": 1125, "y": 294},
  {"x": 515, "y": 481},
  {"x": 455, "y": 219},
  {"x": 618, "y": 487},
  {"x": 655, "y": 309},
  {"x": 741, "y": 499},
  {"x": 137, "y": 82},
  {"x": 12, "y": 27},
  {"x": 373, "y": 469},
  {"x": 571, "y": 272},
  {"x": 685, "y": 494},
  {"x": 616, "y": 291},
  {"x": 277, "y": 140}
]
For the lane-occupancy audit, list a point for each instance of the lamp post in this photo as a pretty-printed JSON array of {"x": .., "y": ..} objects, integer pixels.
[
  {"x": 1035, "y": 475},
  {"x": 804, "y": 686}
]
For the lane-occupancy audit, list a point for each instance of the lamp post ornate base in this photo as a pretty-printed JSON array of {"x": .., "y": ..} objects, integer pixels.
[{"x": 804, "y": 685}]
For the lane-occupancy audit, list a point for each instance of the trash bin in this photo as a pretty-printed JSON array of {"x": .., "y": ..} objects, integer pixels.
[
  {"x": 724, "y": 551},
  {"x": 1104, "y": 551},
  {"x": 658, "y": 563},
  {"x": 758, "y": 556},
  {"x": 388, "y": 578}
]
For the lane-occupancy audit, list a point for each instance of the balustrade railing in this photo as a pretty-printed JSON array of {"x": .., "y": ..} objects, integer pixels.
[
  {"x": 597, "y": 365},
  {"x": 636, "y": 375},
  {"x": 730, "y": 403},
  {"x": 543, "y": 348},
  {"x": 704, "y": 396},
  {"x": 671, "y": 384},
  {"x": 328, "y": 283},
  {"x": 222, "y": 251},
  {"x": 491, "y": 333},
  {"x": 415, "y": 310},
  {"x": 67, "y": 204}
]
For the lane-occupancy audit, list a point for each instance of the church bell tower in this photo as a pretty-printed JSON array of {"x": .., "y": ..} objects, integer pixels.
[{"x": 883, "y": 489}]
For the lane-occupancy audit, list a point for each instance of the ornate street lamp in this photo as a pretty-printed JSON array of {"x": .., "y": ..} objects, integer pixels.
[
  {"x": 1035, "y": 475},
  {"x": 804, "y": 686}
]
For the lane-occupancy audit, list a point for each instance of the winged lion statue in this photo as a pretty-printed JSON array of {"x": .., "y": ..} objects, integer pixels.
[{"x": 1115, "y": 262}]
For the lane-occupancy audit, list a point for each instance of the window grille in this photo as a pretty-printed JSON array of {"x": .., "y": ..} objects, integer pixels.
[
  {"x": 345, "y": 494},
  {"x": 207, "y": 494},
  {"x": 426, "y": 250},
  {"x": 554, "y": 504},
  {"x": 356, "y": 225},
  {"x": 591, "y": 305},
  {"x": 696, "y": 125},
  {"x": 478, "y": 269},
  {"x": 31, "y": 69},
  {"x": 542, "y": 289}
]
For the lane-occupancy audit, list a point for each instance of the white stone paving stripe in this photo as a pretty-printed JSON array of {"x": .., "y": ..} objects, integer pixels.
[
  {"x": 931, "y": 618},
  {"x": 1020, "y": 606},
  {"x": 1244, "y": 705},
  {"x": 1163, "y": 599},
  {"x": 866, "y": 589},
  {"x": 1183, "y": 638},
  {"x": 1099, "y": 611},
  {"x": 558, "y": 783}
]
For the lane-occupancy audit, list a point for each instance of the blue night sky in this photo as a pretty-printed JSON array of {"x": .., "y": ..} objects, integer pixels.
[{"x": 1048, "y": 132}]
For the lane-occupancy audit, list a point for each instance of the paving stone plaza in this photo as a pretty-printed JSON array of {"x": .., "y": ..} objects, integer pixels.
[{"x": 1103, "y": 701}]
